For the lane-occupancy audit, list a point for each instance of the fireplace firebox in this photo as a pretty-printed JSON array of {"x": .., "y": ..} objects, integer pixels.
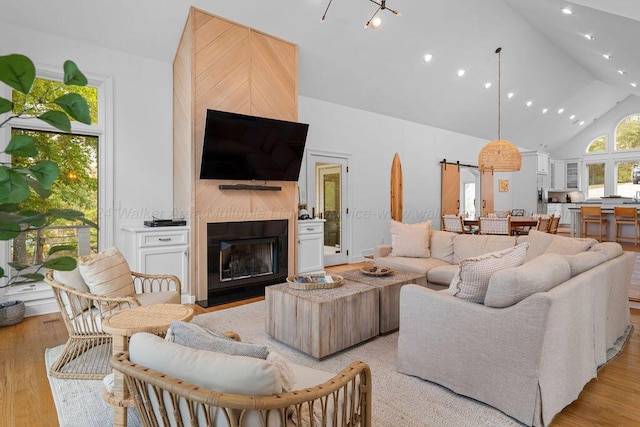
[{"x": 243, "y": 257}]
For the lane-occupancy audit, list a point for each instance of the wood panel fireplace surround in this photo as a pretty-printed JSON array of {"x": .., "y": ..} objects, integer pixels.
[{"x": 243, "y": 257}]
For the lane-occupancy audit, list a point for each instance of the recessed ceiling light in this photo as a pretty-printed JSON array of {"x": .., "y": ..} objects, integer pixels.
[
  {"x": 461, "y": 72},
  {"x": 560, "y": 111},
  {"x": 622, "y": 72},
  {"x": 544, "y": 110},
  {"x": 567, "y": 11},
  {"x": 607, "y": 56},
  {"x": 510, "y": 95},
  {"x": 427, "y": 57},
  {"x": 573, "y": 116},
  {"x": 487, "y": 85},
  {"x": 634, "y": 84},
  {"x": 581, "y": 122},
  {"x": 529, "y": 103},
  {"x": 589, "y": 37}
]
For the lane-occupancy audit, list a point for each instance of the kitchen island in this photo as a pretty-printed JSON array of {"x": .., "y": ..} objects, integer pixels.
[{"x": 607, "y": 212}]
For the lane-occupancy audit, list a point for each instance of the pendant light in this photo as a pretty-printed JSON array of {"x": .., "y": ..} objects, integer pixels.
[
  {"x": 499, "y": 155},
  {"x": 373, "y": 22}
]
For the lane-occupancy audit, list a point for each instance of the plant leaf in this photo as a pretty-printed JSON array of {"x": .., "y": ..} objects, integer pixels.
[
  {"x": 9, "y": 207},
  {"x": 22, "y": 145},
  {"x": 75, "y": 106},
  {"x": 61, "y": 248},
  {"x": 9, "y": 231},
  {"x": 38, "y": 187},
  {"x": 5, "y": 105},
  {"x": 63, "y": 263},
  {"x": 18, "y": 72},
  {"x": 2, "y": 272},
  {"x": 14, "y": 189},
  {"x": 73, "y": 75},
  {"x": 33, "y": 277},
  {"x": 33, "y": 218},
  {"x": 18, "y": 266},
  {"x": 45, "y": 172},
  {"x": 57, "y": 119}
]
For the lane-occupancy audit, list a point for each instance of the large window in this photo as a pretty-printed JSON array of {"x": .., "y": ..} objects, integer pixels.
[
  {"x": 81, "y": 156},
  {"x": 595, "y": 184},
  {"x": 598, "y": 145},
  {"x": 628, "y": 133},
  {"x": 628, "y": 178}
]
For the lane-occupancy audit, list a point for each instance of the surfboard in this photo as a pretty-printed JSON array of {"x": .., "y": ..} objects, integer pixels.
[{"x": 396, "y": 188}]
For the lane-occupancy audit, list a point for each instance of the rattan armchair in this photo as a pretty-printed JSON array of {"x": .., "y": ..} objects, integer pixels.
[
  {"x": 161, "y": 400},
  {"x": 87, "y": 352}
]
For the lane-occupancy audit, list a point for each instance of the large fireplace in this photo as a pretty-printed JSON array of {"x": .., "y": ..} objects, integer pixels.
[{"x": 243, "y": 258}]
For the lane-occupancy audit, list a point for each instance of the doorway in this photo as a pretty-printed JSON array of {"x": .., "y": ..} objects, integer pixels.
[{"x": 327, "y": 189}]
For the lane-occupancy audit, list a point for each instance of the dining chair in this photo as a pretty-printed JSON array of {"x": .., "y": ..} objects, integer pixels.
[
  {"x": 517, "y": 212},
  {"x": 490, "y": 225},
  {"x": 593, "y": 215},
  {"x": 625, "y": 216},
  {"x": 454, "y": 224},
  {"x": 544, "y": 222},
  {"x": 553, "y": 224}
]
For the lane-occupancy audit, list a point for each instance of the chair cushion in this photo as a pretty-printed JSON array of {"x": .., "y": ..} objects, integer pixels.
[
  {"x": 196, "y": 336},
  {"x": 472, "y": 280},
  {"x": 158, "y": 297},
  {"x": 410, "y": 240},
  {"x": 107, "y": 273},
  {"x": 511, "y": 285}
]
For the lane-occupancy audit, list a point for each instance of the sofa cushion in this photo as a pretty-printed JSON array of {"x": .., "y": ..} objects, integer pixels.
[
  {"x": 469, "y": 246},
  {"x": 212, "y": 370},
  {"x": 414, "y": 265},
  {"x": 442, "y": 275},
  {"x": 107, "y": 273},
  {"x": 579, "y": 263},
  {"x": 203, "y": 338},
  {"x": 610, "y": 250},
  {"x": 510, "y": 286},
  {"x": 545, "y": 243},
  {"x": 410, "y": 240},
  {"x": 441, "y": 245},
  {"x": 472, "y": 279}
]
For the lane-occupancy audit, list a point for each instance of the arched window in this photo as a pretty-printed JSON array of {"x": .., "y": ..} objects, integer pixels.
[
  {"x": 628, "y": 133},
  {"x": 598, "y": 145}
]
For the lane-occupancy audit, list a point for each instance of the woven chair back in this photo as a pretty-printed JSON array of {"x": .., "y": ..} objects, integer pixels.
[
  {"x": 453, "y": 223},
  {"x": 490, "y": 225}
]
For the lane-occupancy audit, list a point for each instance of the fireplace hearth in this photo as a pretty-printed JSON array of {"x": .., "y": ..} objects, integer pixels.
[{"x": 243, "y": 257}]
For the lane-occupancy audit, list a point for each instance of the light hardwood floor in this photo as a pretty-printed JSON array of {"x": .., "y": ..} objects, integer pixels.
[{"x": 25, "y": 398}]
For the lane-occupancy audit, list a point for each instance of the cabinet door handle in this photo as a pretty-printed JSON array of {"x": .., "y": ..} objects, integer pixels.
[
  {"x": 164, "y": 239},
  {"x": 310, "y": 228}
]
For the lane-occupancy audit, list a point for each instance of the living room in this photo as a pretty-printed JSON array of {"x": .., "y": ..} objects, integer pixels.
[{"x": 137, "y": 69}]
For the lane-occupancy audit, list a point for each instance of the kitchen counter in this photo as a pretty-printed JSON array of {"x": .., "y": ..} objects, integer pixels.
[{"x": 607, "y": 211}]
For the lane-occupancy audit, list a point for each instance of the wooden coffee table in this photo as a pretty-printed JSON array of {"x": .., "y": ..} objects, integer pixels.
[
  {"x": 321, "y": 322},
  {"x": 154, "y": 319},
  {"x": 389, "y": 289}
]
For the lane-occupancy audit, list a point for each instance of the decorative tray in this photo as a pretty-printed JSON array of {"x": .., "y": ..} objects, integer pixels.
[
  {"x": 374, "y": 270},
  {"x": 307, "y": 282}
]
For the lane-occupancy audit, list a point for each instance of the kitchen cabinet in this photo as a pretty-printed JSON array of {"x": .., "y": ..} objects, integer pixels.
[
  {"x": 543, "y": 163},
  {"x": 159, "y": 250},
  {"x": 572, "y": 174},
  {"x": 565, "y": 219},
  {"x": 554, "y": 209},
  {"x": 558, "y": 176},
  {"x": 310, "y": 246}
]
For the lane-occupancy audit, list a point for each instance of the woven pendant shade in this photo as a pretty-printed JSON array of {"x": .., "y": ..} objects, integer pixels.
[{"x": 499, "y": 156}]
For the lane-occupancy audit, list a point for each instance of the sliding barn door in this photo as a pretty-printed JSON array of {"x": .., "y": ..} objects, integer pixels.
[
  {"x": 486, "y": 182},
  {"x": 450, "y": 189}
]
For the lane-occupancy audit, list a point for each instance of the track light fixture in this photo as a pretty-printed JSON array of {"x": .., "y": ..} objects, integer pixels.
[{"x": 375, "y": 20}]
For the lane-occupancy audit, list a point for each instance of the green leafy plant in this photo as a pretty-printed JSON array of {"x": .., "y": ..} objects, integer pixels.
[{"x": 56, "y": 107}]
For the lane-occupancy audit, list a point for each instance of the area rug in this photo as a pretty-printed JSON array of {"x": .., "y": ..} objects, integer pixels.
[{"x": 398, "y": 400}]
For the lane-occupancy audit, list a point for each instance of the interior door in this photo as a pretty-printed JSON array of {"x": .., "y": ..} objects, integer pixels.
[
  {"x": 450, "y": 189},
  {"x": 327, "y": 183},
  {"x": 486, "y": 182}
]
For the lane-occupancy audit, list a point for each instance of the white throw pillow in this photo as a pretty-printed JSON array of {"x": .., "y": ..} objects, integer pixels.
[
  {"x": 107, "y": 273},
  {"x": 74, "y": 280},
  {"x": 472, "y": 279},
  {"x": 410, "y": 240}
]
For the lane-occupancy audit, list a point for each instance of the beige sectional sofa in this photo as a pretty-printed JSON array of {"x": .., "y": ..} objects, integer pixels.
[{"x": 542, "y": 332}]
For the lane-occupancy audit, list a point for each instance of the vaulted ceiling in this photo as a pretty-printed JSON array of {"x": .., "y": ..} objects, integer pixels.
[{"x": 546, "y": 59}]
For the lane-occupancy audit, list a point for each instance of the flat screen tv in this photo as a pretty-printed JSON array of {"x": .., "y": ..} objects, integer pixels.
[{"x": 241, "y": 147}]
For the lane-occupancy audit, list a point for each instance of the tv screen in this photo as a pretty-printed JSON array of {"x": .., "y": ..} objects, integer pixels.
[{"x": 243, "y": 147}]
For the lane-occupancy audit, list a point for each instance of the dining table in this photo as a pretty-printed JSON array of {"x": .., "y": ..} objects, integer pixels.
[{"x": 517, "y": 222}]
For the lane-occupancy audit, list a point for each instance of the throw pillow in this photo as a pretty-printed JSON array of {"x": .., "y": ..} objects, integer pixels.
[
  {"x": 195, "y": 336},
  {"x": 584, "y": 261},
  {"x": 410, "y": 240},
  {"x": 472, "y": 279},
  {"x": 107, "y": 274},
  {"x": 511, "y": 285},
  {"x": 74, "y": 280}
]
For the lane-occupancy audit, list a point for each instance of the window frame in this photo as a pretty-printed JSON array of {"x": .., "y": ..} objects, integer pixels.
[
  {"x": 103, "y": 130},
  {"x": 607, "y": 142},
  {"x": 615, "y": 136}
]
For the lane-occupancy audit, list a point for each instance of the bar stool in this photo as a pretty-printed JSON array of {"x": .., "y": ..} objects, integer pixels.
[
  {"x": 625, "y": 216},
  {"x": 593, "y": 215}
]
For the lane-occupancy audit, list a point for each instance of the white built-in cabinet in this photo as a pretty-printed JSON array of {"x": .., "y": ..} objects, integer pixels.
[
  {"x": 310, "y": 246},
  {"x": 543, "y": 163},
  {"x": 159, "y": 250},
  {"x": 565, "y": 174}
]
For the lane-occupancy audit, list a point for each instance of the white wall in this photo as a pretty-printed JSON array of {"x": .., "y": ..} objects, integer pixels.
[
  {"x": 142, "y": 118},
  {"x": 371, "y": 140}
]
